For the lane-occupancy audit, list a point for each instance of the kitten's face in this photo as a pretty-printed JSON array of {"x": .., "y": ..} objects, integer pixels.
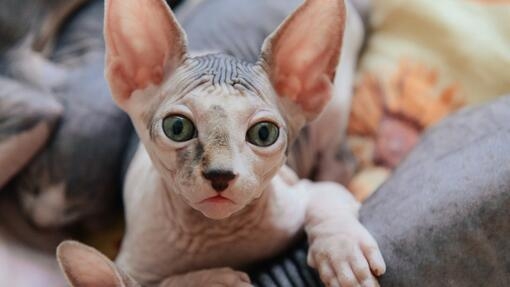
[
  {"x": 215, "y": 133},
  {"x": 216, "y": 128}
]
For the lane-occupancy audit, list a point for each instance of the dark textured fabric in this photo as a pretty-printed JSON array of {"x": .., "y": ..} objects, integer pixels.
[
  {"x": 287, "y": 270},
  {"x": 443, "y": 218}
]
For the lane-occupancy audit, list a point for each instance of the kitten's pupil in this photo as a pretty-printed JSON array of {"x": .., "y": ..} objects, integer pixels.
[
  {"x": 177, "y": 127},
  {"x": 264, "y": 133}
]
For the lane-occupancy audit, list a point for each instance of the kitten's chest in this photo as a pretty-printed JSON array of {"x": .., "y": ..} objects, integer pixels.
[
  {"x": 239, "y": 251},
  {"x": 275, "y": 231},
  {"x": 155, "y": 251}
]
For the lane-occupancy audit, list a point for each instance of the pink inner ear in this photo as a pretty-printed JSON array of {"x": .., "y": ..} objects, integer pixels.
[
  {"x": 85, "y": 266},
  {"x": 143, "y": 43},
  {"x": 305, "y": 51}
]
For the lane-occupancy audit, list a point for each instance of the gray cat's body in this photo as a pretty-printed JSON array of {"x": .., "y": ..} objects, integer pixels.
[
  {"x": 25, "y": 73},
  {"x": 236, "y": 28},
  {"x": 75, "y": 175}
]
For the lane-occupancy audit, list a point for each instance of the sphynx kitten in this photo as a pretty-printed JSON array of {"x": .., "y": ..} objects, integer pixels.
[{"x": 208, "y": 189}]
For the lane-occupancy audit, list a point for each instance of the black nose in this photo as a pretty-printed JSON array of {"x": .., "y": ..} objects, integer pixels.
[{"x": 219, "y": 178}]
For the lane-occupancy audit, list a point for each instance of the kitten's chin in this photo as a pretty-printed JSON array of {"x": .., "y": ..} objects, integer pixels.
[{"x": 217, "y": 211}]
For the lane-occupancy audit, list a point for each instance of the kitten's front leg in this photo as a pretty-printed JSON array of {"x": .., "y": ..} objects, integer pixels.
[
  {"x": 341, "y": 249},
  {"x": 217, "y": 277}
]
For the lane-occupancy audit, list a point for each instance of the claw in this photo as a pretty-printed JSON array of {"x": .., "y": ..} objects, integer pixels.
[{"x": 376, "y": 261}]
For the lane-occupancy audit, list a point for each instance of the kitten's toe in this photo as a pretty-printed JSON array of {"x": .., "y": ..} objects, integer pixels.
[
  {"x": 361, "y": 268},
  {"x": 346, "y": 276},
  {"x": 374, "y": 257}
]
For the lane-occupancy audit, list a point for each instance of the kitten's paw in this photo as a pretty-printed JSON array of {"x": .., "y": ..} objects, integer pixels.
[
  {"x": 217, "y": 277},
  {"x": 343, "y": 260}
]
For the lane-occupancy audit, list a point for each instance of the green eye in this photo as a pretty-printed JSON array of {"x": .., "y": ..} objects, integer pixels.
[
  {"x": 178, "y": 128},
  {"x": 263, "y": 134}
]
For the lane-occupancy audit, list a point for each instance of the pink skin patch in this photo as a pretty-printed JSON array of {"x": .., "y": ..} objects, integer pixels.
[{"x": 395, "y": 139}]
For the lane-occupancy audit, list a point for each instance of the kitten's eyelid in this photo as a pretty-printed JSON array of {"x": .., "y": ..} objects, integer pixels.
[
  {"x": 178, "y": 110},
  {"x": 169, "y": 145},
  {"x": 269, "y": 151},
  {"x": 265, "y": 120},
  {"x": 265, "y": 116}
]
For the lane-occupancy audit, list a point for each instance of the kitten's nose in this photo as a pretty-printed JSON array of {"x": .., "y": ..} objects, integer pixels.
[{"x": 219, "y": 178}]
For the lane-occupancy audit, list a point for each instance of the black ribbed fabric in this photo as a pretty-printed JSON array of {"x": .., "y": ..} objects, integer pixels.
[{"x": 287, "y": 270}]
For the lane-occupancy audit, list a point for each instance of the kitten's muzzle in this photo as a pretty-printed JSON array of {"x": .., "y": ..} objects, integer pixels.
[{"x": 219, "y": 178}]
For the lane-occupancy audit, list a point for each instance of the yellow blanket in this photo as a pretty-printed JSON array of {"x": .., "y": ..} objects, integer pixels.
[
  {"x": 423, "y": 60},
  {"x": 464, "y": 41}
]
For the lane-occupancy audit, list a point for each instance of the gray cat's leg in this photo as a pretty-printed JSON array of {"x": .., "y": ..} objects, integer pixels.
[{"x": 27, "y": 118}]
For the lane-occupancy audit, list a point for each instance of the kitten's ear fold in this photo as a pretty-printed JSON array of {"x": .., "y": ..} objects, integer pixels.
[
  {"x": 84, "y": 266},
  {"x": 301, "y": 56},
  {"x": 144, "y": 43}
]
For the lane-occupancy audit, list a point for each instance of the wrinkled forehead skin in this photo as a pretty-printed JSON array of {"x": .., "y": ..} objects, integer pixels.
[{"x": 219, "y": 85}]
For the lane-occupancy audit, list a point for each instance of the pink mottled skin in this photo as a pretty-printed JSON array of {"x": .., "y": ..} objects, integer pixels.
[{"x": 186, "y": 224}]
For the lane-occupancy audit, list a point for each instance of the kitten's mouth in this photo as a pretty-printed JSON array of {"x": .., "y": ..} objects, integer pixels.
[{"x": 217, "y": 199}]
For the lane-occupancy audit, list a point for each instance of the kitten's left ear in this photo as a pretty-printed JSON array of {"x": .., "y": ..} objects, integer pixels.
[{"x": 301, "y": 56}]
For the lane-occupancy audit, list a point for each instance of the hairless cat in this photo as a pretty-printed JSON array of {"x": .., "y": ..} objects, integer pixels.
[{"x": 208, "y": 187}]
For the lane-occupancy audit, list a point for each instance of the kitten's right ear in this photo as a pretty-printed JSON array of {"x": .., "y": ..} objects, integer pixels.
[
  {"x": 144, "y": 44},
  {"x": 302, "y": 55},
  {"x": 84, "y": 266}
]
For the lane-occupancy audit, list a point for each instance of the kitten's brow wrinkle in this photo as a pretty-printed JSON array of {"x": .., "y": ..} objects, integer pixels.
[
  {"x": 224, "y": 69},
  {"x": 191, "y": 85}
]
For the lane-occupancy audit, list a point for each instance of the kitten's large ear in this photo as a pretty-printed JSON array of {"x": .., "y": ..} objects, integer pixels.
[
  {"x": 84, "y": 266},
  {"x": 144, "y": 44},
  {"x": 301, "y": 56}
]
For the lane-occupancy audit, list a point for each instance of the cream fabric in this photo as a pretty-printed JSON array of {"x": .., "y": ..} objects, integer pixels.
[{"x": 465, "y": 42}]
